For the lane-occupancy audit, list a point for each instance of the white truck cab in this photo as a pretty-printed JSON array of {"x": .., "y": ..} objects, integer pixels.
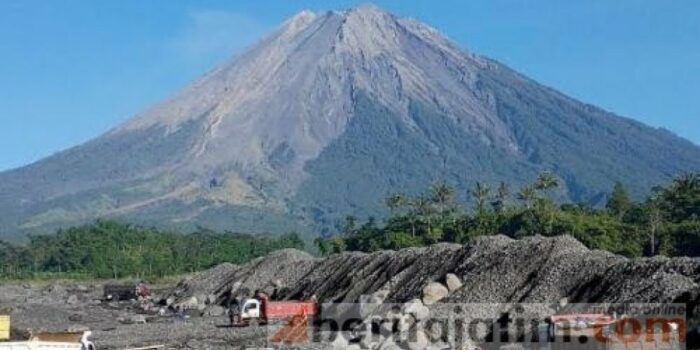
[{"x": 250, "y": 309}]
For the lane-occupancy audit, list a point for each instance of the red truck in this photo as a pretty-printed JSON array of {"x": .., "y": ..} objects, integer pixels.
[{"x": 260, "y": 310}]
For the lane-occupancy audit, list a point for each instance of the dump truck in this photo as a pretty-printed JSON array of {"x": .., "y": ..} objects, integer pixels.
[
  {"x": 260, "y": 310},
  {"x": 52, "y": 341},
  {"x": 126, "y": 291}
]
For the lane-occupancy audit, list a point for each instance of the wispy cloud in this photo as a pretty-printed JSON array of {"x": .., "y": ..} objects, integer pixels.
[{"x": 214, "y": 35}]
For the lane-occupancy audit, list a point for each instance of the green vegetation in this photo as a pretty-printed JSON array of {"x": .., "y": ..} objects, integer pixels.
[
  {"x": 666, "y": 223},
  {"x": 108, "y": 249}
]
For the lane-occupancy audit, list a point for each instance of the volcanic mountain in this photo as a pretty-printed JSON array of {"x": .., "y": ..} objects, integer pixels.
[{"x": 325, "y": 117}]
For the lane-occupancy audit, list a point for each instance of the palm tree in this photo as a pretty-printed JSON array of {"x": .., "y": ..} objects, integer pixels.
[
  {"x": 546, "y": 181},
  {"x": 395, "y": 201},
  {"x": 502, "y": 195},
  {"x": 480, "y": 193},
  {"x": 424, "y": 209},
  {"x": 527, "y": 195},
  {"x": 441, "y": 194}
]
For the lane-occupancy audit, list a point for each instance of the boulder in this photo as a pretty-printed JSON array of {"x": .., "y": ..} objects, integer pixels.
[
  {"x": 434, "y": 292},
  {"x": 416, "y": 309},
  {"x": 387, "y": 328},
  {"x": 81, "y": 288},
  {"x": 381, "y": 295},
  {"x": 404, "y": 323},
  {"x": 73, "y": 300},
  {"x": 453, "y": 282},
  {"x": 191, "y": 303}
]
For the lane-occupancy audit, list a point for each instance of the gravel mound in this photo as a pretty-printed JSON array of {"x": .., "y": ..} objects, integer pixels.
[
  {"x": 494, "y": 269},
  {"x": 535, "y": 269},
  {"x": 202, "y": 284},
  {"x": 271, "y": 273}
]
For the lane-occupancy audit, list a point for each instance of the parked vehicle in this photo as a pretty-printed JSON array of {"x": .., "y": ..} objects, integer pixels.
[
  {"x": 260, "y": 310},
  {"x": 52, "y": 341},
  {"x": 128, "y": 291}
]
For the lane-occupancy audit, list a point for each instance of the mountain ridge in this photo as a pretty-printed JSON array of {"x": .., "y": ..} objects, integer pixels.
[{"x": 313, "y": 123}]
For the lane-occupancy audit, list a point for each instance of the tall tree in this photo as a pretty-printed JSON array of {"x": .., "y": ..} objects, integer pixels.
[
  {"x": 527, "y": 194},
  {"x": 681, "y": 200},
  {"x": 412, "y": 214},
  {"x": 546, "y": 181},
  {"x": 655, "y": 221},
  {"x": 395, "y": 201},
  {"x": 442, "y": 195},
  {"x": 619, "y": 202},
  {"x": 500, "y": 202},
  {"x": 424, "y": 209},
  {"x": 480, "y": 193}
]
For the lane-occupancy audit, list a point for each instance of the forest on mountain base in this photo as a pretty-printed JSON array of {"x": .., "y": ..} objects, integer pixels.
[
  {"x": 666, "y": 223},
  {"x": 108, "y": 249}
]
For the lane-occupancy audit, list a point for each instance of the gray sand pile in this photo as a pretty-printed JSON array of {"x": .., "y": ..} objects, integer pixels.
[{"x": 492, "y": 269}]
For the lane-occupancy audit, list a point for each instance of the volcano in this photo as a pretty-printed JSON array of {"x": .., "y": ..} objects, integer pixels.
[{"x": 323, "y": 118}]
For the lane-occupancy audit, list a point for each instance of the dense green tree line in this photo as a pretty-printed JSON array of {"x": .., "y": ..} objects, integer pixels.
[
  {"x": 109, "y": 249},
  {"x": 665, "y": 223}
]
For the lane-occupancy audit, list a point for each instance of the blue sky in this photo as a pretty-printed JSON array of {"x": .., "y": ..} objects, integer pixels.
[{"x": 72, "y": 69}]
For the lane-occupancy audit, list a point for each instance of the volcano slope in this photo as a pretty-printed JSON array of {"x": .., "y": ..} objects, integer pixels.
[{"x": 322, "y": 119}]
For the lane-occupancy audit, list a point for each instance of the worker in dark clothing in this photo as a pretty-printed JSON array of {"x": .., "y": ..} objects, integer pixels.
[
  {"x": 233, "y": 306},
  {"x": 234, "y": 311}
]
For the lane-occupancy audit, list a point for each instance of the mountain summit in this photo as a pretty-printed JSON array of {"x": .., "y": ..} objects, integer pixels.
[{"x": 323, "y": 118}]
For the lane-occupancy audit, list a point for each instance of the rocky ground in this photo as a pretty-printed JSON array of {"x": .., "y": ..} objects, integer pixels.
[
  {"x": 117, "y": 325},
  {"x": 496, "y": 270}
]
